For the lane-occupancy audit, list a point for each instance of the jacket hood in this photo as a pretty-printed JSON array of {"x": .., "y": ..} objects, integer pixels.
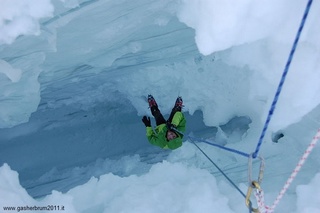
[{"x": 177, "y": 139}]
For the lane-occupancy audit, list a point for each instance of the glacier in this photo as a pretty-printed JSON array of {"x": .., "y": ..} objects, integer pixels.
[{"x": 74, "y": 76}]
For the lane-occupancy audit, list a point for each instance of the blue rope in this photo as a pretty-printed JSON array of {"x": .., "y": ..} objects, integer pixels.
[
  {"x": 273, "y": 105},
  {"x": 224, "y": 174},
  {"x": 220, "y": 170},
  {"x": 221, "y": 147},
  {"x": 213, "y": 144}
]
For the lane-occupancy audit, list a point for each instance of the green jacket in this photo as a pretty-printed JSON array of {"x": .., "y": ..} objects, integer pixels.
[{"x": 158, "y": 137}]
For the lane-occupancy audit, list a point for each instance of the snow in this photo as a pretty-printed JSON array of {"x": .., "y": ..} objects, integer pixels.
[
  {"x": 13, "y": 74},
  {"x": 177, "y": 184},
  {"x": 22, "y": 18},
  {"x": 313, "y": 201},
  {"x": 74, "y": 76},
  {"x": 166, "y": 187},
  {"x": 261, "y": 37}
]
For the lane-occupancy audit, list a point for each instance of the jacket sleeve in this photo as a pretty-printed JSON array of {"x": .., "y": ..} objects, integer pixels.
[
  {"x": 153, "y": 138},
  {"x": 179, "y": 121}
]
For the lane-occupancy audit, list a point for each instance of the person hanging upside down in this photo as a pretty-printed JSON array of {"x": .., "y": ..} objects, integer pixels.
[{"x": 167, "y": 134}]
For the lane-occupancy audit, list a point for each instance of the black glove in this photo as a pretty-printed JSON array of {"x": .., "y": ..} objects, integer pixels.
[{"x": 146, "y": 121}]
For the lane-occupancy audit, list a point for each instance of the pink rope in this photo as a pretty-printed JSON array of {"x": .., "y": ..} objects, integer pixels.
[{"x": 259, "y": 193}]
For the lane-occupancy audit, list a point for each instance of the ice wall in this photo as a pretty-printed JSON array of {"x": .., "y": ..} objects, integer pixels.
[
  {"x": 87, "y": 39},
  {"x": 260, "y": 35},
  {"x": 76, "y": 91}
]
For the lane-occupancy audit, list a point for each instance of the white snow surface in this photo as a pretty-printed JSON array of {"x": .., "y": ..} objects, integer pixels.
[{"x": 74, "y": 76}]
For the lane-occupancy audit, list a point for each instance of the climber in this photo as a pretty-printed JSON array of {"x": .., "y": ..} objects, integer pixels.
[{"x": 167, "y": 134}]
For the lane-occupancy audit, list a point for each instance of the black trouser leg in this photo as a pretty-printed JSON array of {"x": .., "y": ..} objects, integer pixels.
[
  {"x": 173, "y": 111},
  {"x": 157, "y": 115}
]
